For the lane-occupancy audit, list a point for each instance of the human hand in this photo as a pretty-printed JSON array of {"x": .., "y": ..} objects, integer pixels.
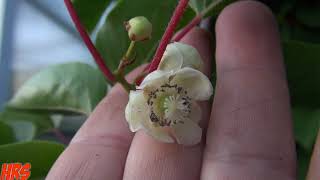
[{"x": 247, "y": 136}]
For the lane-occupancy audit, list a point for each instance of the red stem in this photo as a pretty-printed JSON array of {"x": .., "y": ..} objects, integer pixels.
[
  {"x": 60, "y": 136},
  {"x": 195, "y": 21},
  {"x": 166, "y": 38},
  {"x": 85, "y": 37}
]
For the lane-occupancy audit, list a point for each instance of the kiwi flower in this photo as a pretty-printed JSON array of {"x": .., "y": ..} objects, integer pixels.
[{"x": 164, "y": 105}]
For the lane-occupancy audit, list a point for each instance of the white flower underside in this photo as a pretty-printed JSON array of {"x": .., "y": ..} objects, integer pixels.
[
  {"x": 165, "y": 105},
  {"x": 179, "y": 55}
]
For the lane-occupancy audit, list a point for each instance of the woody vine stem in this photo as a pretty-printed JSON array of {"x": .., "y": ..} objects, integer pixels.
[{"x": 118, "y": 76}]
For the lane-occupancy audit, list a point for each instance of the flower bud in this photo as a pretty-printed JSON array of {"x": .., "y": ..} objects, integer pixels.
[{"x": 139, "y": 28}]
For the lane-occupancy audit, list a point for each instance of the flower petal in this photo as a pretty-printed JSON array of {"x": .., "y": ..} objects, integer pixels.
[
  {"x": 172, "y": 59},
  {"x": 179, "y": 55},
  {"x": 196, "y": 112},
  {"x": 191, "y": 57},
  {"x": 136, "y": 109},
  {"x": 195, "y": 82},
  {"x": 159, "y": 134},
  {"x": 154, "y": 79},
  {"x": 188, "y": 133}
]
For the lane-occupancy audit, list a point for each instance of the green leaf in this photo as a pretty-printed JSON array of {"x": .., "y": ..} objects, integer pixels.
[
  {"x": 309, "y": 16},
  {"x": 219, "y": 7},
  {"x": 6, "y": 134},
  {"x": 65, "y": 88},
  {"x": 306, "y": 125},
  {"x": 90, "y": 12},
  {"x": 41, "y": 155},
  {"x": 298, "y": 33},
  {"x": 209, "y": 7},
  {"x": 303, "y": 72},
  {"x": 71, "y": 124},
  {"x": 221, "y": 4},
  {"x": 283, "y": 8},
  {"x": 112, "y": 39},
  {"x": 303, "y": 159},
  {"x": 26, "y": 125},
  {"x": 188, "y": 15},
  {"x": 198, "y": 5}
]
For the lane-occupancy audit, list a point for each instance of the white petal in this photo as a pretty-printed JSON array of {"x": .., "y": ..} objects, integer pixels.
[
  {"x": 155, "y": 79},
  {"x": 160, "y": 135},
  {"x": 188, "y": 133},
  {"x": 196, "y": 112},
  {"x": 195, "y": 82},
  {"x": 136, "y": 109},
  {"x": 172, "y": 59},
  {"x": 191, "y": 57},
  {"x": 179, "y": 55}
]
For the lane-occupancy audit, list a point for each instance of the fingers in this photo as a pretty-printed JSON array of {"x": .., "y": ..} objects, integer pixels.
[
  {"x": 100, "y": 147},
  {"x": 314, "y": 173},
  {"x": 150, "y": 159},
  {"x": 250, "y": 132}
]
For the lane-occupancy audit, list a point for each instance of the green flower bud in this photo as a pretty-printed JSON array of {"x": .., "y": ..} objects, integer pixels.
[{"x": 139, "y": 28}]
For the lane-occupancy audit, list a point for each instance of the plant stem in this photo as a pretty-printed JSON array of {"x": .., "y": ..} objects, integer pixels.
[
  {"x": 125, "y": 61},
  {"x": 166, "y": 38},
  {"x": 195, "y": 21},
  {"x": 129, "y": 51},
  {"x": 60, "y": 136},
  {"x": 210, "y": 7},
  {"x": 127, "y": 86},
  {"x": 85, "y": 37}
]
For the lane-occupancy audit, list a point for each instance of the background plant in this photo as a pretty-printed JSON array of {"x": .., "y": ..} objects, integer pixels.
[{"x": 57, "y": 99}]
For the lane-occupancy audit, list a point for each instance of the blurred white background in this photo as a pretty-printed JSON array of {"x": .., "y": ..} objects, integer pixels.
[{"x": 34, "y": 35}]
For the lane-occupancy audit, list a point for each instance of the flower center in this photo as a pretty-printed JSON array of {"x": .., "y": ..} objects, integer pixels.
[{"x": 169, "y": 105}]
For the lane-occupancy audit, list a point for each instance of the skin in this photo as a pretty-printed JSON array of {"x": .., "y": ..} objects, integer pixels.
[{"x": 248, "y": 128}]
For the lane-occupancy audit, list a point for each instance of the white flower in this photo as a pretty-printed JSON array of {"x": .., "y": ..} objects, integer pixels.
[
  {"x": 164, "y": 105},
  {"x": 179, "y": 55}
]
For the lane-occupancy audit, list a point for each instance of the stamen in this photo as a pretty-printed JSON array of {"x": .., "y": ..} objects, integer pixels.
[{"x": 172, "y": 106}]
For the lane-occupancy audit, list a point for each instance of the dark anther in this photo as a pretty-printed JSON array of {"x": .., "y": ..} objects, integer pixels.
[{"x": 153, "y": 117}]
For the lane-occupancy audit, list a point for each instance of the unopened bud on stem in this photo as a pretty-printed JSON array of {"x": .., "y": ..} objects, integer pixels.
[{"x": 139, "y": 28}]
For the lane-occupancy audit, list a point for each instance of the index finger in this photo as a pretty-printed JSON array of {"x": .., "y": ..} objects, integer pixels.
[
  {"x": 250, "y": 131},
  {"x": 99, "y": 149}
]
